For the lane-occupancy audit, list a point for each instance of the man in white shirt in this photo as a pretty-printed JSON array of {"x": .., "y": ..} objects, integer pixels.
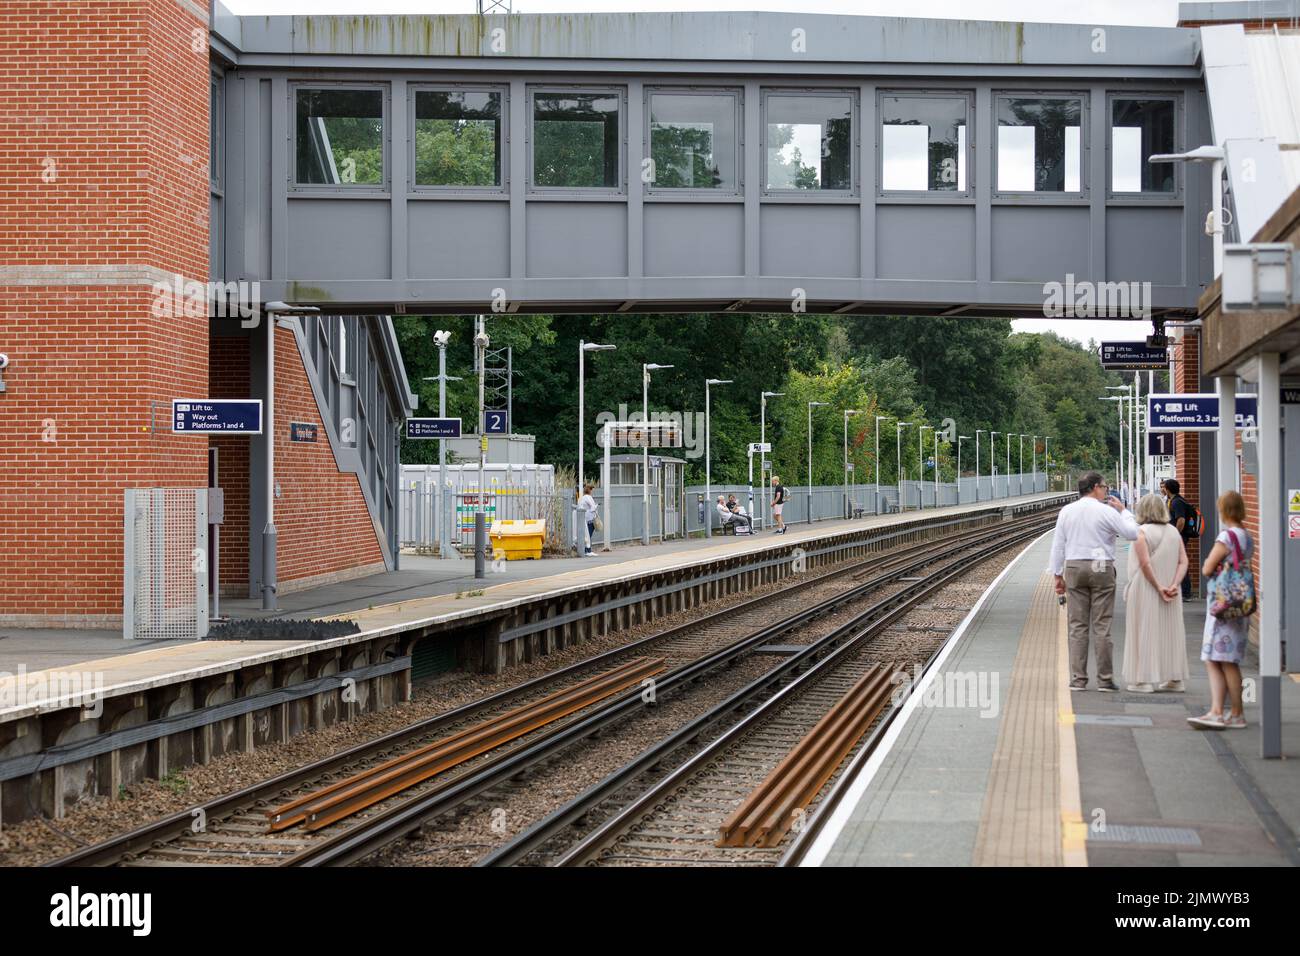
[{"x": 1083, "y": 562}]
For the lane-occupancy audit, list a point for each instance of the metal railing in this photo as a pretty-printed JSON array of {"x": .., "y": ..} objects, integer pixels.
[{"x": 420, "y": 522}]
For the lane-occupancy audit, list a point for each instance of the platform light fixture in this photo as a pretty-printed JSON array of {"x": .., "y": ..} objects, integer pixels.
[{"x": 1260, "y": 277}]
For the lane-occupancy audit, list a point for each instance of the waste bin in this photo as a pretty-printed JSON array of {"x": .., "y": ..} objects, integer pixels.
[{"x": 516, "y": 540}]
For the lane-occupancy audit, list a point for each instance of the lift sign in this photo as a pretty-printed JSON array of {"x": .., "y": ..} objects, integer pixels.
[{"x": 201, "y": 416}]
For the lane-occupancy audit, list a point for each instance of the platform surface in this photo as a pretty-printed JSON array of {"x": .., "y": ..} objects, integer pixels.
[
  {"x": 1051, "y": 778},
  {"x": 427, "y": 590}
]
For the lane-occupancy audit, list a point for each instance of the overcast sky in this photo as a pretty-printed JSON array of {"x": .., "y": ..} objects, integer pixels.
[
  {"x": 1150, "y": 12},
  {"x": 1137, "y": 12}
]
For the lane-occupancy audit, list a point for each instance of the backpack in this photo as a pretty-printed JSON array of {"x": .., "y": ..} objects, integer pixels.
[
  {"x": 1194, "y": 524},
  {"x": 1234, "y": 587}
]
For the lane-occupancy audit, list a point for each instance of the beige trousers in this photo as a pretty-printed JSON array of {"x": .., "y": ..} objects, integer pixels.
[{"x": 1090, "y": 603}]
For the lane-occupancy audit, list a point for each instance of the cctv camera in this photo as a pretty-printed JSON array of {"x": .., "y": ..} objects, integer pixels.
[
  {"x": 4, "y": 360},
  {"x": 481, "y": 340},
  {"x": 441, "y": 337}
]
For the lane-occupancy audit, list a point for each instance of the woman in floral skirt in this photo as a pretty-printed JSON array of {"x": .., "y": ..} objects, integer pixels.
[{"x": 1224, "y": 643}]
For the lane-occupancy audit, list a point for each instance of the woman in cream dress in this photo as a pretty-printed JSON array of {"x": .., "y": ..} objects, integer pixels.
[{"x": 1155, "y": 642}]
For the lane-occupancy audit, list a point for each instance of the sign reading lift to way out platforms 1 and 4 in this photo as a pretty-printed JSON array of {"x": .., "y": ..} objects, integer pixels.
[
  {"x": 229, "y": 416},
  {"x": 1196, "y": 412}
]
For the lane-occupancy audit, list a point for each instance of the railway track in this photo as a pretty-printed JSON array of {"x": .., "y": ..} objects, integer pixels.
[
  {"x": 242, "y": 827},
  {"x": 733, "y": 801}
]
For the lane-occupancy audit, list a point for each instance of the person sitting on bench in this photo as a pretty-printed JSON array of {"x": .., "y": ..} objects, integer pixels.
[{"x": 727, "y": 516}]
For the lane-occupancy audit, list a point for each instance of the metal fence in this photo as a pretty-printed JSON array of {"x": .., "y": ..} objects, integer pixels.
[
  {"x": 165, "y": 564},
  {"x": 420, "y": 521}
]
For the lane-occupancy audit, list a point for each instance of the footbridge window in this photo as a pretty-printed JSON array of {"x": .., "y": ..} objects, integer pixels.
[
  {"x": 693, "y": 140},
  {"x": 577, "y": 139},
  {"x": 1040, "y": 146},
  {"x": 1141, "y": 127},
  {"x": 809, "y": 142},
  {"x": 923, "y": 144},
  {"x": 339, "y": 137},
  {"x": 457, "y": 134}
]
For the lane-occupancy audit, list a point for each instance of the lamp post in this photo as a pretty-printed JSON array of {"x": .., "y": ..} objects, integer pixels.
[
  {"x": 920, "y": 466},
  {"x": 441, "y": 338},
  {"x": 993, "y": 466},
  {"x": 848, "y": 511},
  {"x": 273, "y": 311},
  {"x": 1020, "y": 441},
  {"x": 936, "y": 469},
  {"x": 811, "y": 406},
  {"x": 879, "y": 419},
  {"x": 960, "y": 439},
  {"x": 1122, "y": 461},
  {"x": 1047, "y": 466},
  {"x": 978, "y": 432},
  {"x": 898, "y": 434},
  {"x": 646, "y": 369},
  {"x": 1008, "y": 464},
  {"x": 1033, "y": 462},
  {"x": 583, "y": 349},
  {"x": 708, "y": 474},
  {"x": 762, "y": 440}
]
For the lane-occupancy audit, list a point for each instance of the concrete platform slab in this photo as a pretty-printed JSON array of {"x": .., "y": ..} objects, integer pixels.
[{"x": 1050, "y": 783}]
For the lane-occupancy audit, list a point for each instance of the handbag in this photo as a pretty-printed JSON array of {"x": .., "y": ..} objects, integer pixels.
[
  {"x": 1234, "y": 588},
  {"x": 597, "y": 523}
]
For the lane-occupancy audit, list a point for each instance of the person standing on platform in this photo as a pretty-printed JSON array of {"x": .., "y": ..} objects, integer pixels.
[
  {"x": 778, "y": 503},
  {"x": 1183, "y": 517},
  {"x": 1155, "y": 641},
  {"x": 1083, "y": 563},
  {"x": 1223, "y": 644},
  {"x": 588, "y": 504}
]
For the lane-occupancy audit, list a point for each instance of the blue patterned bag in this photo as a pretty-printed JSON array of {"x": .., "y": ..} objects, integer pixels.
[{"x": 1234, "y": 587}]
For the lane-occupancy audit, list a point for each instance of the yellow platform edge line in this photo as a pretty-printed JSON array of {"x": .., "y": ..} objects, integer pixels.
[{"x": 1074, "y": 831}]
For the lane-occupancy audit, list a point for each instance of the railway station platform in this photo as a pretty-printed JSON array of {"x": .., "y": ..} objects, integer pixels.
[
  {"x": 1030, "y": 774},
  {"x": 84, "y": 712}
]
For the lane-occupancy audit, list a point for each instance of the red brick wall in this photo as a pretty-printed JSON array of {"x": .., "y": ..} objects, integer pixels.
[
  {"x": 321, "y": 516},
  {"x": 103, "y": 170},
  {"x": 229, "y": 377},
  {"x": 1187, "y": 445}
]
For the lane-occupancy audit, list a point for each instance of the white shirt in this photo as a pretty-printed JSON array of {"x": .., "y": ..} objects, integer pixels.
[
  {"x": 589, "y": 503},
  {"x": 1086, "y": 530}
]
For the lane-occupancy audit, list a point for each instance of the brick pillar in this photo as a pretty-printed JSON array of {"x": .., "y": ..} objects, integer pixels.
[
  {"x": 1187, "y": 445},
  {"x": 104, "y": 191}
]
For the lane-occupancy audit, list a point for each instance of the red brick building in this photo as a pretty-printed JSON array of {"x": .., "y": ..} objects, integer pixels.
[{"x": 107, "y": 194}]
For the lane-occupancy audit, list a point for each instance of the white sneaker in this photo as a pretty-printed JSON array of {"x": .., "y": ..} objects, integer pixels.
[
  {"x": 1141, "y": 689},
  {"x": 1172, "y": 686}
]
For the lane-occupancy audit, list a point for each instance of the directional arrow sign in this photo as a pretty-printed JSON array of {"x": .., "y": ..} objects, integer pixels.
[
  {"x": 1122, "y": 356},
  {"x": 202, "y": 416},
  {"x": 1196, "y": 412},
  {"x": 433, "y": 428}
]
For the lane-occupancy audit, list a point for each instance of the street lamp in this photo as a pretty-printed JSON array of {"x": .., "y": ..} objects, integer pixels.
[
  {"x": 708, "y": 475},
  {"x": 993, "y": 466},
  {"x": 583, "y": 349},
  {"x": 1216, "y": 156},
  {"x": 646, "y": 369},
  {"x": 273, "y": 311},
  {"x": 1033, "y": 462},
  {"x": 762, "y": 440},
  {"x": 811, "y": 406},
  {"x": 848, "y": 511},
  {"x": 879, "y": 419},
  {"x": 1008, "y": 464},
  {"x": 898, "y": 435},
  {"x": 960, "y": 439},
  {"x": 441, "y": 338},
  {"x": 1020, "y": 441},
  {"x": 1121, "y": 463},
  {"x": 920, "y": 466},
  {"x": 978, "y": 432},
  {"x": 1047, "y": 467},
  {"x": 936, "y": 469}
]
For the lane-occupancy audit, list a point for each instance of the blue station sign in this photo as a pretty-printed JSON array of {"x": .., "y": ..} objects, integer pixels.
[
  {"x": 1133, "y": 356},
  {"x": 225, "y": 416},
  {"x": 433, "y": 428},
  {"x": 496, "y": 422},
  {"x": 1197, "y": 412}
]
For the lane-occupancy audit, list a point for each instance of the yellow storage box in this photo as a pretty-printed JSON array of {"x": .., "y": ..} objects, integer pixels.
[{"x": 516, "y": 540}]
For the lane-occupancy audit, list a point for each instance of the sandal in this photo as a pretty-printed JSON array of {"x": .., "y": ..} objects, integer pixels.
[
  {"x": 1207, "y": 722},
  {"x": 1235, "y": 723}
]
